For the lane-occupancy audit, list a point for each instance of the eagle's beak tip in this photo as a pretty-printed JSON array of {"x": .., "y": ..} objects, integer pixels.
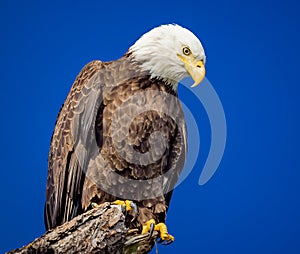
[{"x": 197, "y": 72}]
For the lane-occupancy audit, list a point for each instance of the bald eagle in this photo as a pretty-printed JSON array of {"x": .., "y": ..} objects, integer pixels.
[{"x": 120, "y": 135}]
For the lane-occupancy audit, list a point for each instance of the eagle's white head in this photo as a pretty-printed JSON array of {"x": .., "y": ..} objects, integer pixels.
[{"x": 171, "y": 53}]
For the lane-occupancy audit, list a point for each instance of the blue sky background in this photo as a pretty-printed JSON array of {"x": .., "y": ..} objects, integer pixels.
[{"x": 252, "y": 203}]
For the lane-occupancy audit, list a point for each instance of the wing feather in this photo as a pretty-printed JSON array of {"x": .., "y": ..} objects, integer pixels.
[
  {"x": 68, "y": 155},
  {"x": 177, "y": 157}
]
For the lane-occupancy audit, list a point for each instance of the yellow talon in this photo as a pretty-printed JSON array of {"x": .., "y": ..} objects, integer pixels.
[
  {"x": 161, "y": 228},
  {"x": 127, "y": 204},
  {"x": 164, "y": 235},
  {"x": 147, "y": 226}
]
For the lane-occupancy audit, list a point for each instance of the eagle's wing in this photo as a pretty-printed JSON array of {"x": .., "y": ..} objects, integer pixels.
[
  {"x": 177, "y": 157},
  {"x": 68, "y": 155}
]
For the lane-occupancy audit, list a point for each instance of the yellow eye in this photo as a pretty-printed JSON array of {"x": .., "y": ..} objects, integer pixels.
[{"x": 186, "y": 51}]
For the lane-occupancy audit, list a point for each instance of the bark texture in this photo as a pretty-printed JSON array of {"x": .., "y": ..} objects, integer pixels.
[{"x": 100, "y": 230}]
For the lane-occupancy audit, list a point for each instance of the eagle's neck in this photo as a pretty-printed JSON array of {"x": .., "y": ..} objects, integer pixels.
[{"x": 148, "y": 68}]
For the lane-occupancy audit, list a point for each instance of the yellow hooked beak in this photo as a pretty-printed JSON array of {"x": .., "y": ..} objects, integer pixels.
[{"x": 195, "y": 68}]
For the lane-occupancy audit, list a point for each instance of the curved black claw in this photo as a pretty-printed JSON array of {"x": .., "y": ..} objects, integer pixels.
[
  {"x": 166, "y": 242},
  {"x": 159, "y": 240},
  {"x": 134, "y": 207},
  {"x": 152, "y": 225},
  {"x": 124, "y": 209}
]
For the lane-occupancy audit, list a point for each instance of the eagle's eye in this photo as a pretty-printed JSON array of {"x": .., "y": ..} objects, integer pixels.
[{"x": 186, "y": 51}]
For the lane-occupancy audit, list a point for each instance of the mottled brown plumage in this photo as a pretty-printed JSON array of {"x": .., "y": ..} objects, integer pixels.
[{"x": 99, "y": 152}]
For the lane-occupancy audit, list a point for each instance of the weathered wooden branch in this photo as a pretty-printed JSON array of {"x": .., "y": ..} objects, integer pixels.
[{"x": 100, "y": 230}]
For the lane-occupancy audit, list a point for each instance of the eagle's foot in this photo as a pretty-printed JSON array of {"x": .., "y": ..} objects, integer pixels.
[
  {"x": 150, "y": 226},
  {"x": 127, "y": 205}
]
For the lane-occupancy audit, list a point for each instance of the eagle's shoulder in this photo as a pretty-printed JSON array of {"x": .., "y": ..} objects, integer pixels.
[{"x": 80, "y": 88}]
